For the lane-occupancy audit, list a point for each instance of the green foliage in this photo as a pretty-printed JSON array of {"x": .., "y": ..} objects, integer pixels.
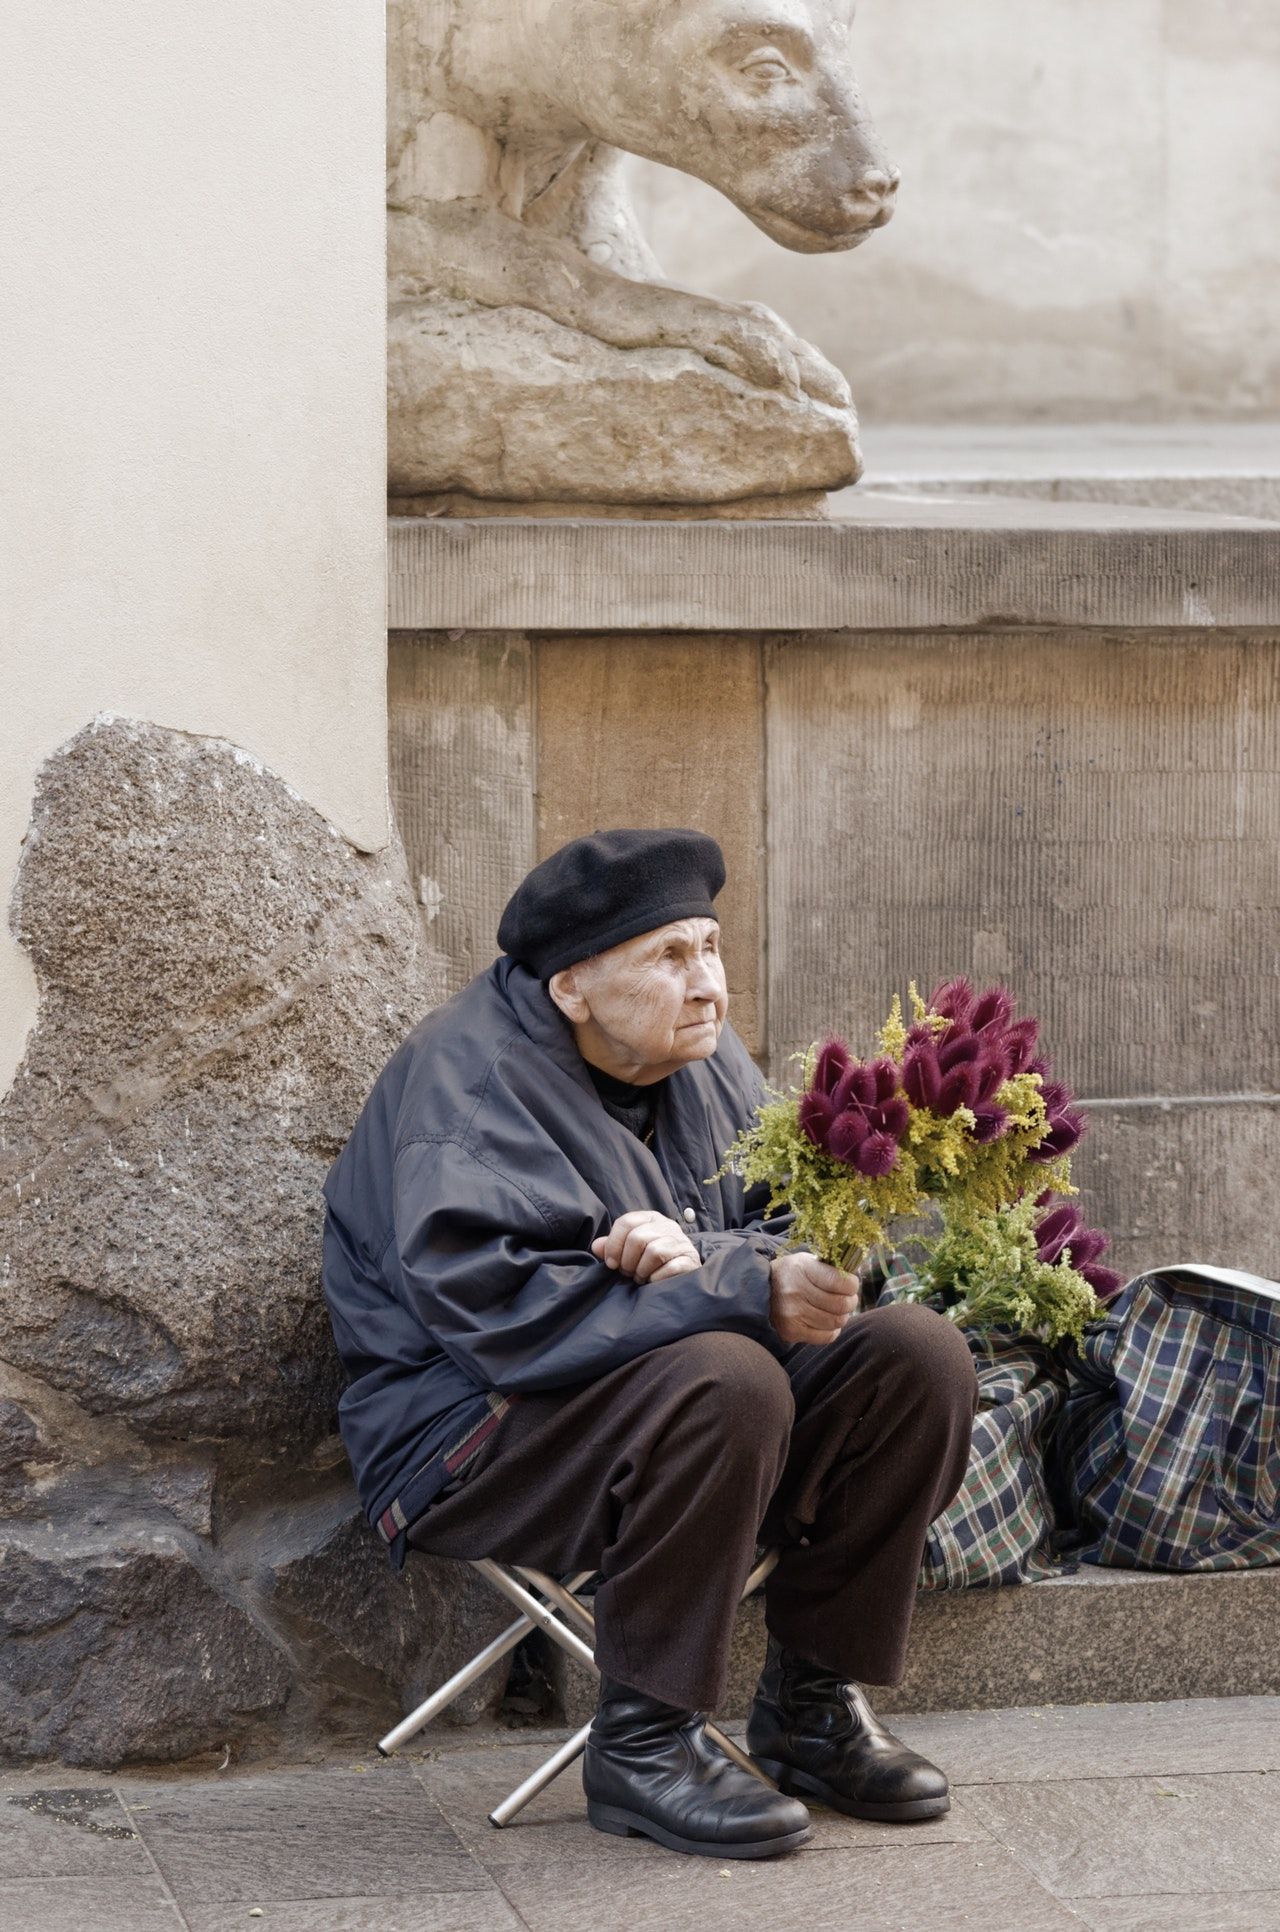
[
  {"x": 983, "y": 1264},
  {"x": 839, "y": 1214},
  {"x": 986, "y": 1270}
]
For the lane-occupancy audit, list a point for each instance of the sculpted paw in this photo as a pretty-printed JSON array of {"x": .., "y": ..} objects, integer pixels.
[
  {"x": 751, "y": 342},
  {"x": 817, "y": 377}
]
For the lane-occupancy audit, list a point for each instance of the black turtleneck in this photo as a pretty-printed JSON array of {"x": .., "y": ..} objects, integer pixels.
[{"x": 632, "y": 1107}]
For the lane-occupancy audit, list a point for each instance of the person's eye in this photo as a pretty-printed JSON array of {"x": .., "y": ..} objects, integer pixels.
[{"x": 767, "y": 66}]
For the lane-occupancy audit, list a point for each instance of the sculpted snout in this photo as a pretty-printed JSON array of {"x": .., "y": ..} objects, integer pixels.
[{"x": 871, "y": 203}]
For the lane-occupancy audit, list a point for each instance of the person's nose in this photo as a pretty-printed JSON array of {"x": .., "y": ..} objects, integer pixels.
[{"x": 704, "y": 984}]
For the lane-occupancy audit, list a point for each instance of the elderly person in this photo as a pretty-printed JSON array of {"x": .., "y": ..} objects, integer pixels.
[{"x": 569, "y": 1347}]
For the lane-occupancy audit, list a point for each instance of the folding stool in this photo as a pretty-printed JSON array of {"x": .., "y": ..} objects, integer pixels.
[{"x": 517, "y": 1584}]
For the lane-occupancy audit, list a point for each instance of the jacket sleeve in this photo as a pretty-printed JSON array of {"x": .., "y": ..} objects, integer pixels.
[
  {"x": 521, "y": 1304},
  {"x": 769, "y": 1233}
]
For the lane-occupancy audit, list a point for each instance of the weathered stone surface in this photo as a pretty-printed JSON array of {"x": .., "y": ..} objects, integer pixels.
[
  {"x": 887, "y": 563},
  {"x": 1180, "y": 1183},
  {"x": 221, "y": 978},
  {"x": 534, "y": 353},
  {"x": 669, "y": 731},
  {"x": 123, "y": 1652},
  {"x": 545, "y": 411},
  {"x": 461, "y": 756},
  {"x": 382, "y": 1640}
]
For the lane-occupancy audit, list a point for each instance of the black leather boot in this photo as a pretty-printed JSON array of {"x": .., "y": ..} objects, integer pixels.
[
  {"x": 651, "y": 1769},
  {"x": 814, "y": 1733}
]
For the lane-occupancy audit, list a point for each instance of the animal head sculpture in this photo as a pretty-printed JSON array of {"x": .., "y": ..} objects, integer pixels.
[
  {"x": 535, "y": 351},
  {"x": 756, "y": 97}
]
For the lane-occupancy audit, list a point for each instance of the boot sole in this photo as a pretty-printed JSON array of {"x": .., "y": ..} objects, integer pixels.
[
  {"x": 630, "y": 1824},
  {"x": 801, "y": 1784}
]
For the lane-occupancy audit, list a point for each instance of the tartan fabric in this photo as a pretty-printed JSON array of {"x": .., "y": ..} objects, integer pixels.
[
  {"x": 445, "y": 1466},
  {"x": 1001, "y": 1526},
  {"x": 1168, "y": 1453}
]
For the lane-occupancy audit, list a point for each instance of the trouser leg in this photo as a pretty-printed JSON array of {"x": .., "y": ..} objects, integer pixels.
[
  {"x": 879, "y": 1447},
  {"x": 658, "y": 1475}
]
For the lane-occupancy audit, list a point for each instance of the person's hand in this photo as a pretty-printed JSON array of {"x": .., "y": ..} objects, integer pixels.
[
  {"x": 648, "y": 1246},
  {"x": 810, "y": 1301}
]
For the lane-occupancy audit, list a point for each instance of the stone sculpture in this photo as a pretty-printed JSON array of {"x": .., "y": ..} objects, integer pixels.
[{"x": 536, "y": 355}]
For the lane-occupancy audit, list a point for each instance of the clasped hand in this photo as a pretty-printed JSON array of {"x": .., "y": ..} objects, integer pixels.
[
  {"x": 647, "y": 1246},
  {"x": 810, "y": 1301}
]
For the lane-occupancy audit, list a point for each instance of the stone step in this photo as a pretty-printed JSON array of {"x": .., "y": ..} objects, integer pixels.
[
  {"x": 1230, "y": 469},
  {"x": 1097, "y": 1636}
]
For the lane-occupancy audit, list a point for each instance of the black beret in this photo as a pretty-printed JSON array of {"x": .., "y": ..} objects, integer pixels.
[{"x": 599, "y": 890}]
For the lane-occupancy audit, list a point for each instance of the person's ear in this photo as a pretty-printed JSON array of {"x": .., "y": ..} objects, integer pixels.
[{"x": 564, "y": 990}]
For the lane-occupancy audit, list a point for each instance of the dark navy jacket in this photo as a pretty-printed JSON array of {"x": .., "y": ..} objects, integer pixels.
[{"x": 457, "y": 1255}]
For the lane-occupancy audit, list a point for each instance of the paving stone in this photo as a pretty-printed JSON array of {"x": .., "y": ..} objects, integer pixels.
[
  {"x": 1115, "y": 1837},
  {"x": 52, "y": 1831},
  {"x": 1100, "y": 1740},
  {"x": 88, "y": 1905},
  {"x": 447, "y": 1912},
  {"x": 323, "y": 1833},
  {"x": 1199, "y": 1912},
  {"x": 946, "y": 1888},
  {"x": 467, "y": 1784}
]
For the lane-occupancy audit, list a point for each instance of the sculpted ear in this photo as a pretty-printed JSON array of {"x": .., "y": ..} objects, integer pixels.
[{"x": 564, "y": 990}]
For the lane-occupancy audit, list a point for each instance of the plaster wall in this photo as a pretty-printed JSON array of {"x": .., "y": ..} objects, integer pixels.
[
  {"x": 1088, "y": 227},
  {"x": 191, "y": 396}
]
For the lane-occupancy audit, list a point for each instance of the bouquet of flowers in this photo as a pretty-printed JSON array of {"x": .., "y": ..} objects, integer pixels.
[{"x": 954, "y": 1142}]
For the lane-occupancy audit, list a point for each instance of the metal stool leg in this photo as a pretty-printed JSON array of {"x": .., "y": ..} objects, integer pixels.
[
  {"x": 537, "y": 1614},
  {"x": 539, "y": 1780},
  {"x": 440, "y": 1700}
]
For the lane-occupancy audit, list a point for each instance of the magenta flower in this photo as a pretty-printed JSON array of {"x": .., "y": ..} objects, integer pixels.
[
  {"x": 1061, "y": 1231},
  {"x": 853, "y": 1111}
]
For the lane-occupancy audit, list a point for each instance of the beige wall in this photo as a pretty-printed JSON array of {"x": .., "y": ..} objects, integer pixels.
[
  {"x": 191, "y": 395},
  {"x": 1089, "y": 224}
]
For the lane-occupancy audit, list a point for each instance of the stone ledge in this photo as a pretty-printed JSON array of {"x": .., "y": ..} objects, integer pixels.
[
  {"x": 1100, "y": 1636},
  {"x": 886, "y": 563},
  {"x": 1227, "y": 468}
]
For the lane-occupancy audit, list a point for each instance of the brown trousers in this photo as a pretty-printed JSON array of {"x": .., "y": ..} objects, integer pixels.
[{"x": 666, "y": 1473}]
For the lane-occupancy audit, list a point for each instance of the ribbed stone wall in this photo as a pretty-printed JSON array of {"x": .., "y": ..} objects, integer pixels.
[{"x": 1087, "y": 810}]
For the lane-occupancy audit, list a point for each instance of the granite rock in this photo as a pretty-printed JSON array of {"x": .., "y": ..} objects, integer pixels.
[
  {"x": 384, "y": 1639},
  {"x": 221, "y": 978},
  {"x": 125, "y": 1651}
]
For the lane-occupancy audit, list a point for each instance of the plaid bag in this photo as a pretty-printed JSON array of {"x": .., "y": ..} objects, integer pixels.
[
  {"x": 1168, "y": 1453},
  {"x": 1000, "y": 1528}
]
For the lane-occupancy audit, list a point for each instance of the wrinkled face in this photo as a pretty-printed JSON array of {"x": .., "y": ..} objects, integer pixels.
[
  {"x": 650, "y": 1005},
  {"x": 758, "y": 98}
]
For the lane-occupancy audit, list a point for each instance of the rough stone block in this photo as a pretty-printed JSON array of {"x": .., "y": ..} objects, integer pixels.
[
  {"x": 221, "y": 978},
  {"x": 379, "y": 1641},
  {"x": 124, "y": 1651}
]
